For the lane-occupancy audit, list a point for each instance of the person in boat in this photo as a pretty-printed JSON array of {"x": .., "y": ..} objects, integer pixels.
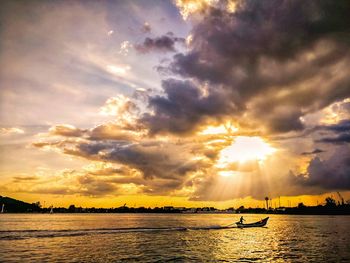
[{"x": 241, "y": 220}]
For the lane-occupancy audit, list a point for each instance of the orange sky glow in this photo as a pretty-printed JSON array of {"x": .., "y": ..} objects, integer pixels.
[{"x": 182, "y": 103}]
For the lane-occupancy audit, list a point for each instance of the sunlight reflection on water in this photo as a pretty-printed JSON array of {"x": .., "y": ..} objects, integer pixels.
[{"x": 103, "y": 238}]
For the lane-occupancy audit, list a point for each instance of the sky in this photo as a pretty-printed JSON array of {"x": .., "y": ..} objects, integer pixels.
[{"x": 183, "y": 103}]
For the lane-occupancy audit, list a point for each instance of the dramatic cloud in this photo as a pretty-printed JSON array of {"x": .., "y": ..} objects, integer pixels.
[
  {"x": 149, "y": 158},
  {"x": 165, "y": 43},
  {"x": 155, "y": 166},
  {"x": 342, "y": 126},
  {"x": 342, "y": 129},
  {"x": 184, "y": 106},
  {"x": 330, "y": 174},
  {"x": 269, "y": 59},
  {"x": 253, "y": 101},
  {"x": 342, "y": 138}
]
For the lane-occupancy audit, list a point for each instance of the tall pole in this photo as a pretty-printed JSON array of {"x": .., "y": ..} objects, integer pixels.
[{"x": 267, "y": 202}]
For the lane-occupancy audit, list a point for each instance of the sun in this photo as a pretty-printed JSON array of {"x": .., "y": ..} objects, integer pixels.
[{"x": 245, "y": 149}]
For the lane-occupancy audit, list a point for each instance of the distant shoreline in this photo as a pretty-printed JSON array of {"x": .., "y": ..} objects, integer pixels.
[
  {"x": 10, "y": 205},
  {"x": 166, "y": 213}
]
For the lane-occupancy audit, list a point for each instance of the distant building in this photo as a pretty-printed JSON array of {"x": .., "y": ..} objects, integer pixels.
[{"x": 181, "y": 208}]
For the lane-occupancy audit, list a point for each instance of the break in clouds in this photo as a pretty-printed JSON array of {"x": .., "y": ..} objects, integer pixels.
[{"x": 270, "y": 68}]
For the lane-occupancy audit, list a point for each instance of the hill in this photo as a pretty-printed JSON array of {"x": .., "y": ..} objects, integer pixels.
[{"x": 16, "y": 206}]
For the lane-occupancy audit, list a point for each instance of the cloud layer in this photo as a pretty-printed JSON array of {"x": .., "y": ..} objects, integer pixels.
[
  {"x": 165, "y": 43},
  {"x": 153, "y": 113},
  {"x": 330, "y": 174},
  {"x": 266, "y": 60}
]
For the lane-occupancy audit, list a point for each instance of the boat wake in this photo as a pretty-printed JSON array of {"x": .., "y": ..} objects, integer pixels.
[{"x": 32, "y": 233}]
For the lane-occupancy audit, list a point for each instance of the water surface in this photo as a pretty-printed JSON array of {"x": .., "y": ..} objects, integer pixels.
[{"x": 171, "y": 237}]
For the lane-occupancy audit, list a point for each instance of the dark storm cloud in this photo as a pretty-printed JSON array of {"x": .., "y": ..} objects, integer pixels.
[
  {"x": 284, "y": 122},
  {"x": 151, "y": 161},
  {"x": 316, "y": 151},
  {"x": 276, "y": 29},
  {"x": 340, "y": 139},
  {"x": 330, "y": 174},
  {"x": 165, "y": 43},
  {"x": 269, "y": 58},
  {"x": 183, "y": 106},
  {"x": 342, "y": 126},
  {"x": 341, "y": 131}
]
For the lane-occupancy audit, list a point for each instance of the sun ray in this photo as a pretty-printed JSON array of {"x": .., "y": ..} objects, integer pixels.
[{"x": 245, "y": 149}]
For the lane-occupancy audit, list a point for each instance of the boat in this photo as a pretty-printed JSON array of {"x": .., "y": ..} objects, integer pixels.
[{"x": 260, "y": 223}]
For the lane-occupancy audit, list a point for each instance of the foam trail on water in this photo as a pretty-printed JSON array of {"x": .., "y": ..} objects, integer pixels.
[{"x": 42, "y": 233}]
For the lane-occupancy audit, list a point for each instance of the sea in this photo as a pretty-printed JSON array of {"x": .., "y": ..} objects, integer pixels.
[{"x": 172, "y": 238}]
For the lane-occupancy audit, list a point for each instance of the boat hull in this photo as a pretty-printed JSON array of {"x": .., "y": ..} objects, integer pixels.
[{"x": 261, "y": 223}]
